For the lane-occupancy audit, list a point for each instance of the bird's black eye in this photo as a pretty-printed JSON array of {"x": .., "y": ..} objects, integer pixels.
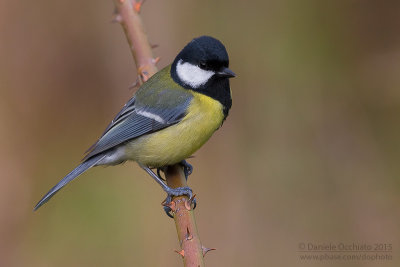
[{"x": 202, "y": 64}]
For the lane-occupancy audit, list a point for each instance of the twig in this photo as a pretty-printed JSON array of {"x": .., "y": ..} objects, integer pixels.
[
  {"x": 127, "y": 13},
  {"x": 140, "y": 47}
]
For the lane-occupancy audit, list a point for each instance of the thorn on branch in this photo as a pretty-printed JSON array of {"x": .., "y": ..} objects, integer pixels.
[
  {"x": 205, "y": 250},
  {"x": 141, "y": 70},
  {"x": 117, "y": 18},
  {"x": 182, "y": 253},
  {"x": 137, "y": 6},
  {"x": 155, "y": 60},
  {"x": 187, "y": 204},
  {"x": 143, "y": 73},
  {"x": 145, "y": 76},
  {"x": 189, "y": 236},
  {"x": 171, "y": 205}
]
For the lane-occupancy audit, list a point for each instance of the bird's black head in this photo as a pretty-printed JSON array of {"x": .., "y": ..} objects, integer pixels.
[{"x": 202, "y": 66}]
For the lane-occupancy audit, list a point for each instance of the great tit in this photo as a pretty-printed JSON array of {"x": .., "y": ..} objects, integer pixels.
[{"x": 170, "y": 117}]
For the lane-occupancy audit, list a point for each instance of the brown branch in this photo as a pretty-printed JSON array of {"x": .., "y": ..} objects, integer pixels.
[
  {"x": 127, "y": 13},
  {"x": 140, "y": 47},
  {"x": 191, "y": 249}
]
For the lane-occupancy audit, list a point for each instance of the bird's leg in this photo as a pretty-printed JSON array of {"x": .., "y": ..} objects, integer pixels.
[
  {"x": 171, "y": 192},
  {"x": 187, "y": 168},
  {"x": 159, "y": 173}
]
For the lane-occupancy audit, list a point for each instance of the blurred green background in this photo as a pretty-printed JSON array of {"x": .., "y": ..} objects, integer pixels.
[{"x": 309, "y": 153}]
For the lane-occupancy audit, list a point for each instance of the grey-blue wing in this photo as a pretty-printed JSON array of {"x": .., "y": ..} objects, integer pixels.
[{"x": 138, "y": 117}]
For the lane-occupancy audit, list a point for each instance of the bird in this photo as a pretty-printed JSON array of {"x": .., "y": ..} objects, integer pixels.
[{"x": 169, "y": 118}]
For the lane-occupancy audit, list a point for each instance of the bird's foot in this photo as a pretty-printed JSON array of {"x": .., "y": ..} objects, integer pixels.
[
  {"x": 171, "y": 192},
  {"x": 187, "y": 168},
  {"x": 174, "y": 192}
]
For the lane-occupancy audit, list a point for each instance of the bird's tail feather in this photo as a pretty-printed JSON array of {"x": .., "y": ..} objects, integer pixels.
[{"x": 84, "y": 166}]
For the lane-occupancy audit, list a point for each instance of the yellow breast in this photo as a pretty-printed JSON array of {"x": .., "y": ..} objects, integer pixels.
[{"x": 177, "y": 142}]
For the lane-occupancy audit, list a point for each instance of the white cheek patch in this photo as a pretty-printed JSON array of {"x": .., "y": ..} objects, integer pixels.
[{"x": 192, "y": 75}]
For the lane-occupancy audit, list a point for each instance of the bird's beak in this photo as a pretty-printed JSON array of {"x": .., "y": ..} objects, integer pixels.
[{"x": 226, "y": 73}]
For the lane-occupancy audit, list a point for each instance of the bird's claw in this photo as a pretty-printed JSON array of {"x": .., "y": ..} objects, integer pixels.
[
  {"x": 168, "y": 211},
  {"x": 187, "y": 168},
  {"x": 194, "y": 201}
]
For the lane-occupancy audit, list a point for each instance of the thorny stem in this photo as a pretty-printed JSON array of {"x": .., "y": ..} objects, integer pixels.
[
  {"x": 137, "y": 38},
  {"x": 189, "y": 240},
  {"x": 127, "y": 13}
]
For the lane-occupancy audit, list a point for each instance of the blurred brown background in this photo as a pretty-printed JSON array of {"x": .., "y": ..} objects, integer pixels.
[{"x": 309, "y": 153}]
